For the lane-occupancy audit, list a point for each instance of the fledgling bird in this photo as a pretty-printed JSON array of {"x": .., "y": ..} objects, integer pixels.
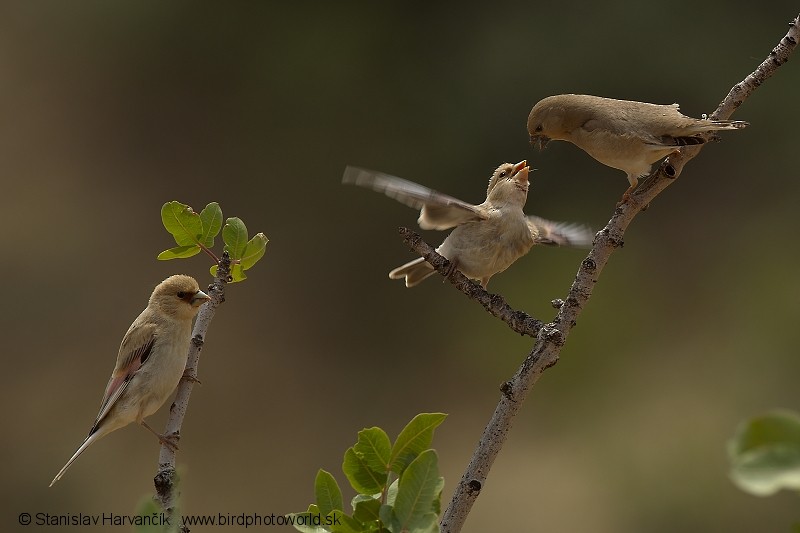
[
  {"x": 151, "y": 361},
  {"x": 487, "y": 237},
  {"x": 629, "y": 136}
]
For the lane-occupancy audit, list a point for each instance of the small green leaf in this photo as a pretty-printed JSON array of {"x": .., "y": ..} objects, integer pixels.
[
  {"x": 339, "y": 522},
  {"x": 211, "y": 217},
  {"x": 387, "y": 517},
  {"x": 366, "y": 509},
  {"x": 361, "y": 477},
  {"x": 179, "y": 252},
  {"x": 375, "y": 448},
  {"x": 182, "y": 222},
  {"x": 254, "y": 250},
  {"x": 391, "y": 492},
  {"x": 305, "y": 522},
  {"x": 414, "y": 439},
  {"x": 328, "y": 495},
  {"x": 235, "y": 236},
  {"x": 765, "y": 454},
  {"x": 420, "y": 486},
  {"x": 237, "y": 273}
]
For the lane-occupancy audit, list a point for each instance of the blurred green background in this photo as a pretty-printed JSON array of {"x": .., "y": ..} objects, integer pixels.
[{"x": 113, "y": 108}]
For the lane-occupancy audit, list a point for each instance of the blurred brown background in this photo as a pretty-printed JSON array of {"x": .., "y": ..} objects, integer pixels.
[{"x": 111, "y": 109}]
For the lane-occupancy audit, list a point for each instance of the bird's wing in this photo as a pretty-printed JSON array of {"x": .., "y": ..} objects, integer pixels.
[
  {"x": 651, "y": 123},
  {"x": 559, "y": 233},
  {"x": 133, "y": 352},
  {"x": 437, "y": 210}
]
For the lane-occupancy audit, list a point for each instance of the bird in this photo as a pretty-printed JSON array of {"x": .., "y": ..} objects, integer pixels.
[
  {"x": 488, "y": 237},
  {"x": 150, "y": 363},
  {"x": 622, "y": 134}
]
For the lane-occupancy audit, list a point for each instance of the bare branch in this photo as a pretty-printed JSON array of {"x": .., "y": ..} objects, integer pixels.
[
  {"x": 552, "y": 336},
  {"x": 519, "y": 321},
  {"x": 166, "y": 477}
]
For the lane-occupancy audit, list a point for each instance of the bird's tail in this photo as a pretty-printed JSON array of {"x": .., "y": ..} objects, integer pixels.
[
  {"x": 728, "y": 124},
  {"x": 560, "y": 233},
  {"x": 414, "y": 271},
  {"x": 89, "y": 440}
]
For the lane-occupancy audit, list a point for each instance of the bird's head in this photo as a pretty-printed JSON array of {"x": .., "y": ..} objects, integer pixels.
[
  {"x": 179, "y": 297},
  {"x": 509, "y": 184},
  {"x": 550, "y": 119}
]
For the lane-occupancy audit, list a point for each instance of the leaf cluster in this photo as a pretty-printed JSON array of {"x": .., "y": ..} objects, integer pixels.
[
  {"x": 195, "y": 232},
  {"x": 399, "y": 486}
]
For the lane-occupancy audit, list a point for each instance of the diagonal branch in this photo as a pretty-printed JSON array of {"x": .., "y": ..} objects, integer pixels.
[
  {"x": 166, "y": 477},
  {"x": 551, "y": 337},
  {"x": 519, "y": 321}
]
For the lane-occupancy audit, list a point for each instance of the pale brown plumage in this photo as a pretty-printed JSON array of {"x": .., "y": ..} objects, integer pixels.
[
  {"x": 487, "y": 237},
  {"x": 622, "y": 134},
  {"x": 150, "y": 362}
]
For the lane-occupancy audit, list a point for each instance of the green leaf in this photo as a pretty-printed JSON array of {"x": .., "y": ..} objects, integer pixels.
[
  {"x": 765, "y": 454},
  {"x": 305, "y": 521},
  {"x": 254, "y": 250},
  {"x": 420, "y": 486},
  {"x": 361, "y": 477},
  {"x": 237, "y": 273},
  {"x": 235, "y": 236},
  {"x": 328, "y": 495},
  {"x": 387, "y": 508},
  {"x": 211, "y": 217},
  {"x": 339, "y": 522},
  {"x": 179, "y": 252},
  {"x": 391, "y": 493},
  {"x": 366, "y": 509},
  {"x": 414, "y": 439},
  {"x": 182, "y": 222},
  {"x": 375, "y": 448}
]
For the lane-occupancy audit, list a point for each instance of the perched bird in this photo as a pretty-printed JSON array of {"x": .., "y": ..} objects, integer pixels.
[
  {"x": 629, "y": 136},
  {"x": 487, "y": 237},
  {"x": 151, "y": 361}
]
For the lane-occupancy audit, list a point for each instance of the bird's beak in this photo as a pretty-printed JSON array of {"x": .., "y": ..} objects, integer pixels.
[
  {"x": 199, "y": 299},
  {"x": 539, "y": 141},
  {"x": 521, "y": 171}
]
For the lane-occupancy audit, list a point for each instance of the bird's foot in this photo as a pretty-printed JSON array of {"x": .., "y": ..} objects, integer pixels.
[
  {"x": 170, "y": 441},
  {"x": 190, "y": 378},
  {"x": 450, "y": 270}
]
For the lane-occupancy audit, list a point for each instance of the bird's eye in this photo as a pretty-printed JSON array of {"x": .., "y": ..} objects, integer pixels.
[
  {"x": 503, "y": 174},
  {"x": 538, "y": 128},
  {"x": 181, "y": 295}
]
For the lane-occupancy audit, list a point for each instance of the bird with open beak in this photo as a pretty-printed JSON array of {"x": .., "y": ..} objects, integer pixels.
[
  {"x": 626, "y": 135},
  {"x": 488, "y": 237}
]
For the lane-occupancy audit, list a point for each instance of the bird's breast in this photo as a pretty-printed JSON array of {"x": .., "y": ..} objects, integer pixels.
[{"x": 490, "y": 246}]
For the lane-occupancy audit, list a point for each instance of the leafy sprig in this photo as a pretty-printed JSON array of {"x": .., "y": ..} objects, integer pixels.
[
  {"x": 195, "y": 233},
  {"x": 399, "y": 486}
]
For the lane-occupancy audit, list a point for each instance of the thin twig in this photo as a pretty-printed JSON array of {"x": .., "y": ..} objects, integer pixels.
[
  {"x": 166, "y": 477},
  {"x": 552, "y": 336},
  {"x": 519, "y": 321}
]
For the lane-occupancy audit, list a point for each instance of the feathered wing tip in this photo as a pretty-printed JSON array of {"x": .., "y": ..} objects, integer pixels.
[
  {"x": 414, "y": 271},
  {"x": 560, "y": 233},
  {"x": 89, "y": 440}
]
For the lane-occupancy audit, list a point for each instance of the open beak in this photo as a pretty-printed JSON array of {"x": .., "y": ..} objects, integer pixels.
[
  {"x": 521, "y": 171},
  {"x": 199, "y": 299}
]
